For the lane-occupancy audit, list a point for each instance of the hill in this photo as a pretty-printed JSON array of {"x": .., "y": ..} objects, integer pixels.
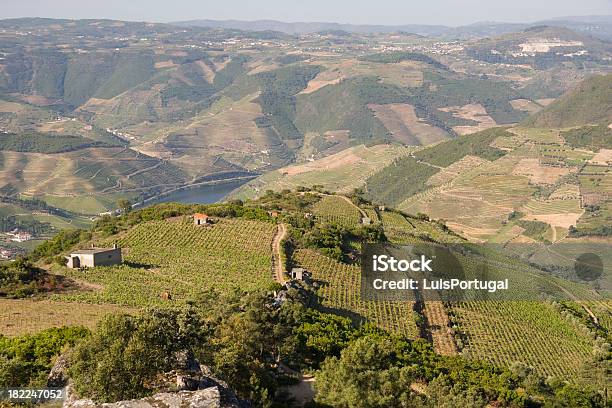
[
  {"x": 193, "y": 104},
  {"x": 503, "y": 179},
  {"x": 341, "y": 172},
  {"x": 542, "y": 47},
  {"x": 165, "y": 253},
  {"x": 496, "y": 173},
  {"x": 589, "y": 103}
]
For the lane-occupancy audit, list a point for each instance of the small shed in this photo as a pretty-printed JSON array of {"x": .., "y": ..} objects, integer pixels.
[
  {"x": 297, "y": 273},
  {"x": 366, "y": 221},
  {"x": 200, "y": 219},
  {"x": 300, "y": 274},
  {"x": 94, "y": 257}
]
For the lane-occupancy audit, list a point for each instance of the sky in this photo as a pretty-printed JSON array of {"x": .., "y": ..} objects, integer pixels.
[{"x": 388, "y": 12}]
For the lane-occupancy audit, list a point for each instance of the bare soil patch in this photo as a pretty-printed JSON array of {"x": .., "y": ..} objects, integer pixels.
[
  {"x": 472, "y": 233},
  {"x": 473, "y": 111},
  {"x": 439, "y": 328},
  {"x": 538, "y": 173},
  {"x": 262, "y": 68},
  {"x": 604, "y": 156},
  {"x": 526, "y": 105},
  {"x": 344, "y": 158},
  {"x": 556, "y": 220},
  {"x": 323, "y": 79},
  {"x": 164, "y": 64},
  {"x": 405, "y": 126},
  {"x": 545, "y": 101}
]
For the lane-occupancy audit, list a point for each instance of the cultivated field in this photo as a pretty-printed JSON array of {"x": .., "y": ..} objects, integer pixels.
[
  {"x": 341, "y": 172},
  {"x": 474, "y": 112},
  {"x": 533, "y": 333},
  {"x": 341, "y": 294},
  {"x": 337, "y": 210},
  {"x": 176, "y": 257},
  {"x": 405, "y": 127}
]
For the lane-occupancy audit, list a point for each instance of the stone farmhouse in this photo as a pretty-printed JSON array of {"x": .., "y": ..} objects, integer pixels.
[{"x": 95, "y": 257}]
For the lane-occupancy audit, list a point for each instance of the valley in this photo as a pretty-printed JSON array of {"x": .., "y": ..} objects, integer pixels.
[
  {"x": 186, "y": 208},
  {"x": 168, "y": 107}
]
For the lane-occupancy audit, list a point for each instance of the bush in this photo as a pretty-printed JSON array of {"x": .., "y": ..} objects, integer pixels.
[
  {"x": 26, "y": 360},
  {"x": 124, "y": 354}
]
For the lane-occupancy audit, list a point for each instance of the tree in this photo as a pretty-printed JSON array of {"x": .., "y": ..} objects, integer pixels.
[
  {"x": 367, "y": 374},
  {"x": 124, "y": 205},
  {"x": 125, "y": 353},
  {"x": 26, "y": 360}
]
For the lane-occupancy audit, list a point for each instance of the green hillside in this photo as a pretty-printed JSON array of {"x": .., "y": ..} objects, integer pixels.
[
  {"x": 344, "y": 106},
  {"x": 47, "y": 143},
  {"x": 590, "y": 137},
  {"x": 588, "y": 104},
  {"x": 477, "y": 144},
  {"x": 408, "y": 175}
]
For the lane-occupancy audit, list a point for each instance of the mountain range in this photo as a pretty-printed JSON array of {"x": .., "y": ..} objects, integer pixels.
[{"x": 597, "y": 26}]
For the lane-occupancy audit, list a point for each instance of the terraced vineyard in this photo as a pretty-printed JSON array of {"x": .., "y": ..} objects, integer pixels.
[
  {"x": 338, "y": 210},
  {"x": 530, "y": 332},
  {"x": 400, "y": 228},
  {"x": 177, "y": 257},
  {"x": 397, "y": 227},
  {"x": 341, "y": 294}
]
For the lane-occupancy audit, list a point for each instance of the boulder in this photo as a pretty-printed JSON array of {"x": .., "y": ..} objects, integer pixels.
[
  {"x": 211, "y": 397},
  {"x": 58, "y": 376}
]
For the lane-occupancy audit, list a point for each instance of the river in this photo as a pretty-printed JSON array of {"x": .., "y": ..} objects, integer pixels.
[{"x": 205, "y": 194}]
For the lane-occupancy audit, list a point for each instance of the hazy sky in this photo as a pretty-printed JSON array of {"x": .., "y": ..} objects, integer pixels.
[{"x": 448, "y": 12}]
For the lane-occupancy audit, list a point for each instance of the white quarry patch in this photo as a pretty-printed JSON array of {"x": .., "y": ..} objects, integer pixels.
[{"x": 545, "y": 44}]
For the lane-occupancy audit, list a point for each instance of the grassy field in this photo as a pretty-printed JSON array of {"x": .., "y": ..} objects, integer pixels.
[
  {"x": 91, "y": 204},
  {"x": 177, "y": 257},
  {"x": 341, "y": 172},
  {"x": 25, "y": 316}
]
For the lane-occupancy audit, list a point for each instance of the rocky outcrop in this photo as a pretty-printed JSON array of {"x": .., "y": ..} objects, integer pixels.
[
  {"x": 58, "y": 376},
  {"x": 189, "y": 385},
  {"x": 206, "y": 398}
]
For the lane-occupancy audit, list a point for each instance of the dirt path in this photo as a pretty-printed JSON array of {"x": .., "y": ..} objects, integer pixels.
[
  {"x": 439, "y": 328},
  {"x": 348, "y": 200},
  {"x": 426, "y": 163},
  {"x": 277, "y": 263},
  {"x": 581, "y": 303},
  {"x": 302, "y": 392}
]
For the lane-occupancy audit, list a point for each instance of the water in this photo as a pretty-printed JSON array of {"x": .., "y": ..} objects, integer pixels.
[{"x": 200, "y": 195}]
